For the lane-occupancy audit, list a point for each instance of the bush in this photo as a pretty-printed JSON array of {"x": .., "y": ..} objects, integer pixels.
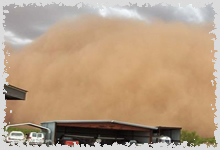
[
  {"x": 210, "y": 140},
  {"x": 190, "y": 137},
  {"x": 193, "y": 139}
]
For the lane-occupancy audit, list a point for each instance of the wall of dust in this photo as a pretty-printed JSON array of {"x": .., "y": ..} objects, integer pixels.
[{"x": 118, "y": 69}]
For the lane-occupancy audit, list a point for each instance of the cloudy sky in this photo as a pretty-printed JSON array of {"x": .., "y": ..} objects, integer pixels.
[{"x": 24, "y": 24}]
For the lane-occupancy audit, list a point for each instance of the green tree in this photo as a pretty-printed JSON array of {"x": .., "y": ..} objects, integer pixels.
[{"x": 191, "y": 137}]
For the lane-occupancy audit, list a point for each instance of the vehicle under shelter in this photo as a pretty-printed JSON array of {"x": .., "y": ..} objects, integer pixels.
[{"x": 107, "y": 131}]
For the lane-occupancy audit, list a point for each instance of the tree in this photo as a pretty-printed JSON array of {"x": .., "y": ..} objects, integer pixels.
[{"x": 191, "y": 137}]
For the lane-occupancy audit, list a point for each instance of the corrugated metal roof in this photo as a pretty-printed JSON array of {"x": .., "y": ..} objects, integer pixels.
[
  {"x": 166, "y": 127},
  {"x": 30, "y": 124},
  {"x": 14, "y": 93},
  {"x": 102, "y": 121},
  {"x": 14, "y": 87}
]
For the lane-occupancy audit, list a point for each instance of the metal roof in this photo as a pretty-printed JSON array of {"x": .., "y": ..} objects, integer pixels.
[
  {"x": 166, "y": 127},
  {"x": 14, "y": 93},
  {"x": 102, "y": 121},
  {"x": 30, "y": 124}
]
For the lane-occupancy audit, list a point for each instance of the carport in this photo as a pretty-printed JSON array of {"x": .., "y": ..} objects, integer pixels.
[
  {"x": 108, "y": 131},
  {"x": 42, "y": 128},
  {"x": 173, "y": 132}
]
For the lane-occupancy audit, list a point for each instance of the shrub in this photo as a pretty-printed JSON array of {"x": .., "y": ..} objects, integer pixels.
[
  {"x": 211, "y": 140},
  {"x": 194, "y": 139},
  {"x": 191, "y": 137}
]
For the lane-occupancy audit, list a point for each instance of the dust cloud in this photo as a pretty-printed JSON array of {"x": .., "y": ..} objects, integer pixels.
[{"x": 117, "y": 69}]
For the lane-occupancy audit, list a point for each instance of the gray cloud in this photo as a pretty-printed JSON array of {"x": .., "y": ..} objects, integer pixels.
[
  {"x": 29, "y": 22},
  {"x": 170, "y": 13}
]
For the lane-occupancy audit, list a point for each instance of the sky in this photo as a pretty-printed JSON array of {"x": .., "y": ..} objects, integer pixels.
[{"x": 24, "y": 24}]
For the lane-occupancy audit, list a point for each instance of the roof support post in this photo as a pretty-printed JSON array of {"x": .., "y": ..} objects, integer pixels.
[{"x": 150, "y": 140}]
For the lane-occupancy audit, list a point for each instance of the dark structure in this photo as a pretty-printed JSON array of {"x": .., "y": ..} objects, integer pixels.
[
  {"x": 172, "y": 132},
  {"x": 109, "y": 131},
  {"x": 14, "y": 93}
]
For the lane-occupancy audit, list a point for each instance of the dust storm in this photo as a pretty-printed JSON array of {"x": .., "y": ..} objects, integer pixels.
[{"x": 117, "y": 69}]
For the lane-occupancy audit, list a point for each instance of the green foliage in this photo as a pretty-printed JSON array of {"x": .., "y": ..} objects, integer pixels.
[
  {"x": 25, "y": 131},
  {"x": 210, "y": 140},
  {"x": 194, "y": 139}
]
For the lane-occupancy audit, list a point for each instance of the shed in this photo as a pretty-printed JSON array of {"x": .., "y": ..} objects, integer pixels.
[{"x": 108, "y": 131}]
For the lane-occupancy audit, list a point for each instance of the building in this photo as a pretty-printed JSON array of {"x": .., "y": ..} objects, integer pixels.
[
  {"x": 108, "y": 131},
  {"x": 14, "y": 93}
]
